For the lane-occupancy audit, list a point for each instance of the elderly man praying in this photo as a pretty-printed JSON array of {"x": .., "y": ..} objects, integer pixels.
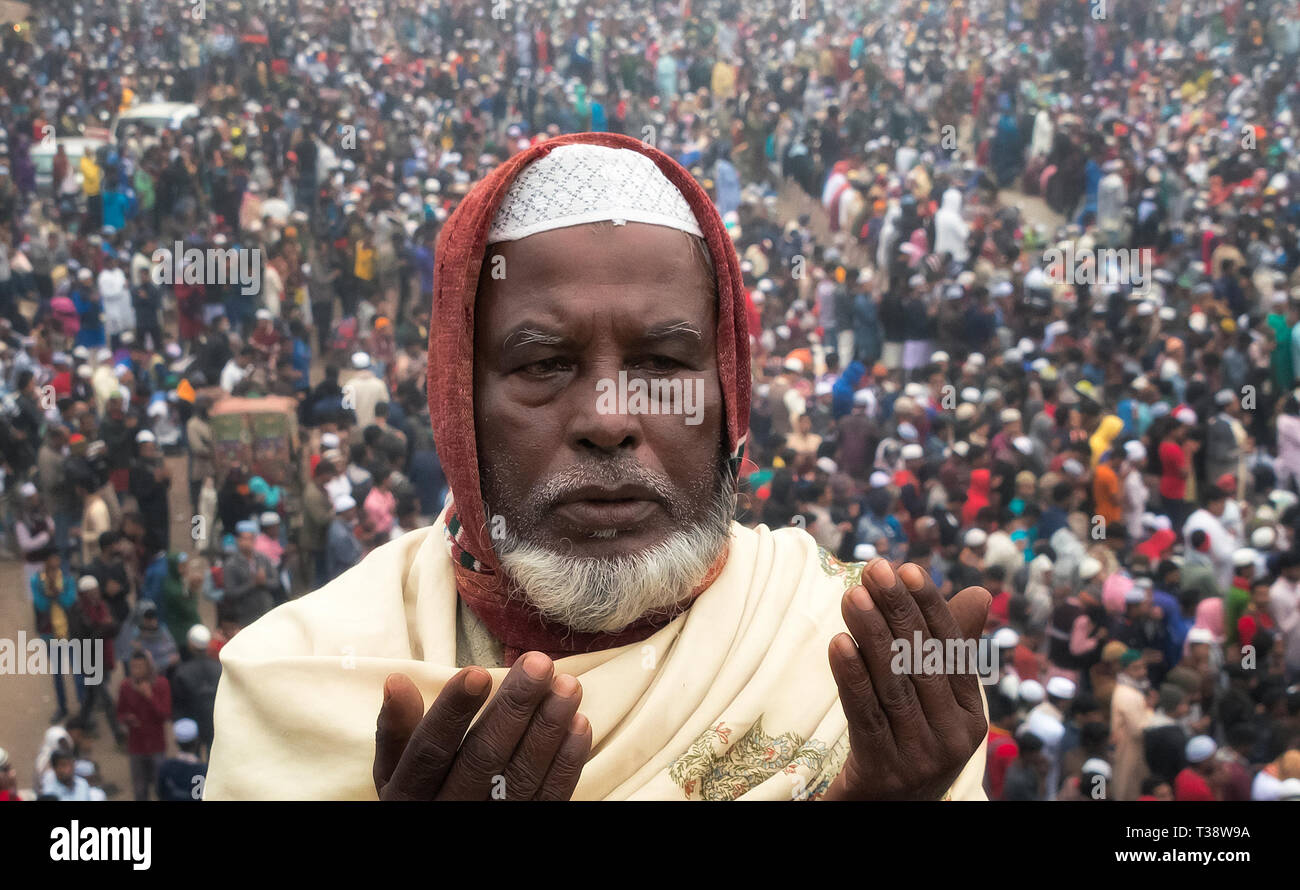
[{"x": 584, "y": 619}]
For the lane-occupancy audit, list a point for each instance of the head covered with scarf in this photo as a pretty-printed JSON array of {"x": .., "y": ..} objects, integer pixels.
[{"x": 463, "y": 245}]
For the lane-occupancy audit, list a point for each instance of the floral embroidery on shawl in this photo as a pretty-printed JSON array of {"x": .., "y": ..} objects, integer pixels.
[
  {"x": 709, "y": 770},
  {"x": 850, "y": 573}
]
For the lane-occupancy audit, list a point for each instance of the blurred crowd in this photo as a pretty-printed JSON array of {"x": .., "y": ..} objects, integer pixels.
[{"x": 1108, "y": 442}]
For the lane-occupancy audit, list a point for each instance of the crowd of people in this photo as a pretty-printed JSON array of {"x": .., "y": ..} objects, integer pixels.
[{"x": 1110, "y": 446}]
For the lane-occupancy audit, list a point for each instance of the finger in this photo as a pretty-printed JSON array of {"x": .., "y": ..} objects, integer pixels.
[
  {"x": 858, "y": 696},
  {"x": 970, "y": 609},
  {"x": 398, "y": 717},
  {"x": 566, "y": 769},
  {"x": 894, "y": 692},
  {"x": 906, "y": 622},
  {"x": 432, "y": 749},
  {"x": 964, "y": 682},
  {"x": 490, "y": 744},
  {"x": 527, "y": 769}
]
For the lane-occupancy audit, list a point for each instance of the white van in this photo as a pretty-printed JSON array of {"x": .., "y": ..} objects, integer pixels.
[
  {"x": 151, "y": 118},
  {"x": 43, "y": 158}
]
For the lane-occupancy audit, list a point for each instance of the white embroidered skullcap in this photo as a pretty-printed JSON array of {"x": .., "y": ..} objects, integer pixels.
[{"x": 581, "y": 183}]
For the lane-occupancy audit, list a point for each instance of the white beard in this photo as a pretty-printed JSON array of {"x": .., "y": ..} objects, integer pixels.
[{"x": 605, "y": 595}]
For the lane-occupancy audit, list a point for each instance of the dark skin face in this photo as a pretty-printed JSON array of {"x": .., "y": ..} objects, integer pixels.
[{"x": 615, "y": 299}]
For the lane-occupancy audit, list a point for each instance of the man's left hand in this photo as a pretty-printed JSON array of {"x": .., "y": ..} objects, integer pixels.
[{"x": 910, "y": 735}]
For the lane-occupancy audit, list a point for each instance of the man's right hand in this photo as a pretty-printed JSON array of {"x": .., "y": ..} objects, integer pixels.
[{"x": 530, "y": 744}]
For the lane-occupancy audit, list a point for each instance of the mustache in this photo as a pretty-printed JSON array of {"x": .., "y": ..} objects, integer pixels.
[{"x": 611, "y": 472}]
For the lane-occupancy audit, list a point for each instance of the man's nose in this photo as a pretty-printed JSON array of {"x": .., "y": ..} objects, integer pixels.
[{"x": 601, "y": 423}]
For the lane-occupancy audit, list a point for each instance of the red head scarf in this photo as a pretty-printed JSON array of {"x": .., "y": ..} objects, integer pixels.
[{"x": 461, "y": 247}]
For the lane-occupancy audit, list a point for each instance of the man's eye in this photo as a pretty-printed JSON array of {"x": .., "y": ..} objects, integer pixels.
[
  {"x": 658, "y": 364},
  {"x": 545, "y": 367}
]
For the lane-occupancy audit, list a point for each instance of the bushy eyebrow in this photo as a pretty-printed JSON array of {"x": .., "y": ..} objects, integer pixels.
[
  {"x": 673, "y": 329},
  {"x": 531, "y": 336}
]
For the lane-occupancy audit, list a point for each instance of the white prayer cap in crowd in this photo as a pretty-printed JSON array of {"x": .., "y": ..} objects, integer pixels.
[
  {"x": 906, "y": 431},
  {"x": 1097, "y": 767},
  {"x": 1135, "y": 451},
  {"x": 1168, "y": 313},
  {"x": 85, "y": 769},
  {"x": 1012, "y": 356},
  {"x": 1089, "y": 568},
  {"x": 783, "y": 331},
  {"x": 1009, "y": 686},
  {"x": 1200, "y": 749},
  {"x": 1072, "y": 468},
  {"x": 85, "y": 372},
  {"x": 87, "y": 582},
  {"x": 1023, "y": 444},
  {"x": 1288, "y": 789},
  {"x": 1223, "y": 398},
  {"x": 912, "y": 451},
  {"x": 120, "y": 371},
  {"x": 976, "y": 359},
  {"x": 104, "y": 355},
  {"x": 263, "y": 315},
  {"x": 864, "y": 553},
  {"x": 766, "y": 285},
  {"x": 1266, "y": 514},
  {"x": 823, "y": 388},
  {"x": 915, "y": 390},
  {"x": 1146, "y": 308},
  {"x": 976, "y": 537},
  {"x": 81, "y": 352},
  {"x": 1002, "y": 289},
  {"x": 966, "y": 411},
  {"x": 185, "y": 730},
  {"x": 939, "y": 356},
  {"x": 970, "y": 394},
  {"x": 990, "y": 396},
  {"x": 144, "y": 436},
  {"x": 1005, "y": 638},
  {"x": 793, "y": 365},
  {"x": 1263, "y": 538},
  {"x": 862, "y": 397},
  {"x": 328, "y": 441},
  {"x": 1282, "y": 499},
  {"x": 198, "y": 637},
  {"x": 270, "y": 517},
  {"x": 1200, "y": 635},
  {"x": 84, "y": 274},
  {"x": 826, "y": 465},
  {"x": 1009, "y": 415},
  {"x": 1031, "y": 692},
  {"x": 878, "y": 479},
  {"x": 157, "y": 409},
  {"x": 343, "y": 503},
  {"x": 1061, "y": 687},
  {"x": 1244, "y": 556},
  {"x": 961, "y": 449},
  {"x": 27, "y": 489},
  {"x": 1135, "y": 595},
  {"x": 360, "y": 360},
  {"x": 1163, "y": 523}
]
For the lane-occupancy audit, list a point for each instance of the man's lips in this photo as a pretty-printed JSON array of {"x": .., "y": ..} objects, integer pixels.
[{"x": 595, "y": 508}]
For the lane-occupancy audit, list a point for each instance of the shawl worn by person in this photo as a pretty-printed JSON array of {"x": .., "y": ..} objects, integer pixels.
[{"x": 729, "y": 696}]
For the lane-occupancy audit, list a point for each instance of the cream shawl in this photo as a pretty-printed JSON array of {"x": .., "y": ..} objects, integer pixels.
[{"x": 734, "y": 699}]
